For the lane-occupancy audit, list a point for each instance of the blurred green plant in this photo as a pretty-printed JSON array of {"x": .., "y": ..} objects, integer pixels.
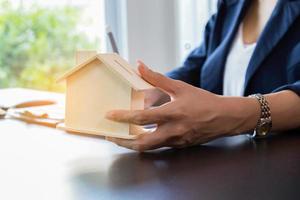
[{"x": 38, "y": 44}]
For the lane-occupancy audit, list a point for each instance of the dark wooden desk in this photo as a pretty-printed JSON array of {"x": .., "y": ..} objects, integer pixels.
[{"x": 43, "y": 163}]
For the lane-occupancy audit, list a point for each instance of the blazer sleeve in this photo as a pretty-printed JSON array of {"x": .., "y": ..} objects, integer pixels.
[
  {"x": 294, "y": 82},
  {"x": 295, "y": 87},
  {"x": 191, "y": 69}
]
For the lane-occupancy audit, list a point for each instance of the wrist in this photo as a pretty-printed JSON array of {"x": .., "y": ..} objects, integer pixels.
[{"x": 242, "y": 114}]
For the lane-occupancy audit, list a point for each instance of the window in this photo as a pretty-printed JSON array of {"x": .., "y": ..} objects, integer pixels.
[
  {"x": 161, "y": 33},
  {"x": 38, "y": 39},
  {"x": 193, "y": 16}
]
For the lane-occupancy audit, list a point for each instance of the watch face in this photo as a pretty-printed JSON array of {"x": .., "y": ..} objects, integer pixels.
[{"x": 264, "y": 128}]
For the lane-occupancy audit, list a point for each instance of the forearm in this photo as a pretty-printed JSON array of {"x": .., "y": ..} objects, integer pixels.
[
  {"x": 244, "y": 112},
  {"x": 196, "y": 116}
]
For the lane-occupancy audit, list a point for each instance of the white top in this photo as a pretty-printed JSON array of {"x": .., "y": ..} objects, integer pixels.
[{"x": 236, "y": 65}]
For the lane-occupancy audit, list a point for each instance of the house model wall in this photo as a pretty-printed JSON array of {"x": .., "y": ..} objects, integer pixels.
[{"x": 98, "y": 84}]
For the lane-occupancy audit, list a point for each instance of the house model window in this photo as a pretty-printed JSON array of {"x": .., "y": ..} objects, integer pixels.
[{"x": 100, "y": 83}]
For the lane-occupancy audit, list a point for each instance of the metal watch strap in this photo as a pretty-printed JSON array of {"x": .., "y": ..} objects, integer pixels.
[{"x": 264, "y": 123}]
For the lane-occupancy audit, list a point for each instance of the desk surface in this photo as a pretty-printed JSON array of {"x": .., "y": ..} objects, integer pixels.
[{"x": 43, "y": 163}]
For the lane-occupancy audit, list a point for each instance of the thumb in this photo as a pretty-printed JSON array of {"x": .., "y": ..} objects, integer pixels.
[{"x": 158, "y": 80}]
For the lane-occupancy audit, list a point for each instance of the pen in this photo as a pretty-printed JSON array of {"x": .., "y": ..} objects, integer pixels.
[{"x": 112, "y": 40}]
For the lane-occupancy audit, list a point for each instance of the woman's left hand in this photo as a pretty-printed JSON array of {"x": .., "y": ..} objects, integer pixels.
[{"x": 194, "y": 116}]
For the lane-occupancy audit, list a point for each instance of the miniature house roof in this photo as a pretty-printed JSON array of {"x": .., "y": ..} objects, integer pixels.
[{"x": 117, "y": 65}]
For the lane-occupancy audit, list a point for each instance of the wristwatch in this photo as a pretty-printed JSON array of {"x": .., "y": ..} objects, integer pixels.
[{"x": 264, "y": 124}]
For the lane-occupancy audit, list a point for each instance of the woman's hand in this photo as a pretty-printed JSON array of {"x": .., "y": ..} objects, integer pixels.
[
  {"x": 155, "y": 97},
  {"x": 193, "y": 116}
]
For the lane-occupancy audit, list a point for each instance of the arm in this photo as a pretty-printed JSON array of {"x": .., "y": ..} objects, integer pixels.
[
  {"x": 195, "y": 116},
  {"x": 284, "y": 106}
]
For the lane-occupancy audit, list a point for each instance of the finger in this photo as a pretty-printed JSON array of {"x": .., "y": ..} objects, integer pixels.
[
  {"x": 144, "y": 142},
  {"x": 158, "y": 80},
  {"x": 140, "y": 117},
  {"x": 121, "y": 142}
]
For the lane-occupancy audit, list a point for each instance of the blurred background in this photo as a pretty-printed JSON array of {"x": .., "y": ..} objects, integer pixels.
[{"x": 38, "y": 38}]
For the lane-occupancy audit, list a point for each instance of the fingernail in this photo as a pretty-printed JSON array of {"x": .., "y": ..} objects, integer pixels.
[
  {"x": 141, "y": 70},
  {"x": 142, "y": 65},
  {"x": 109, "y": 115}
]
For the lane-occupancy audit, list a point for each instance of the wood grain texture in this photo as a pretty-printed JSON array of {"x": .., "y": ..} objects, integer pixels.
[
  {"x": 91, "y": 93},
  {"x": 84, "y": 55},
  {"x": 137, "y": 103},
  {"x": 116, "y": 64},
  {"x": 98, "y": 84},
  {"x": 90, "y": 132}
]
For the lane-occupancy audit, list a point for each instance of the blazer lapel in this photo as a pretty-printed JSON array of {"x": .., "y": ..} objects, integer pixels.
[
  {"x": 212, "y": 76},
  {"x": 285, "y": 12}
]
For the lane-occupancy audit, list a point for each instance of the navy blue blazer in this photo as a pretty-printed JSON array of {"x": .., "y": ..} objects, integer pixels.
[{"x": 275, "y": 64}]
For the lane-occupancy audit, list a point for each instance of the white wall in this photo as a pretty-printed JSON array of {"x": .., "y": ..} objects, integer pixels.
[
  {"x": 159, "y": 32},
  {"x": 152, "y": 33}
]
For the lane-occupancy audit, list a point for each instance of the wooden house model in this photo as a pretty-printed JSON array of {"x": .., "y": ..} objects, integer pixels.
[{"x": 100, "y": 83}]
